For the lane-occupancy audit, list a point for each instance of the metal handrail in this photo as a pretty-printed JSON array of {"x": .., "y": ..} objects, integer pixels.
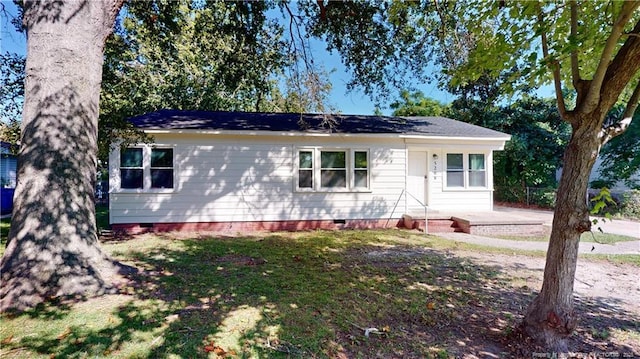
[{"x": 426, "y": 209}]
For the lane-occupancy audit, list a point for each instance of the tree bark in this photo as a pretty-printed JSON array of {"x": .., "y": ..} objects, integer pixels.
[
  {"x": 550, "y": 318},
  {"x": 53, "y": 246}
]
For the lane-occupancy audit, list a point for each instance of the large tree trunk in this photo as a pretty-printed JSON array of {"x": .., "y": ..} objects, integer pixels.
[
  {"x": 53, "y": 247},
  {"x": 550, "y": 318}
]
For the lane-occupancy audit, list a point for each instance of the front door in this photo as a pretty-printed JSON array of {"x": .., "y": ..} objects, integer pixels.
[{"x": 417, "y": 182}]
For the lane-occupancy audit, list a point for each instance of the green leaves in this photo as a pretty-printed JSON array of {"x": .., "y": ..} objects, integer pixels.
[
  {"x": 182, "y": 55},
  {"x": 601, "y": 200}
]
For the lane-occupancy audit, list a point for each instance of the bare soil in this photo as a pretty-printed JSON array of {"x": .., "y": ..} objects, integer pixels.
[{"x": 607, "y": 301}]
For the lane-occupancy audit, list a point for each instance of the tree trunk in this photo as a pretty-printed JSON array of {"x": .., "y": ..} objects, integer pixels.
[
  {"x": 53, "y": 247},
  {"x": 550, "y": 318}
]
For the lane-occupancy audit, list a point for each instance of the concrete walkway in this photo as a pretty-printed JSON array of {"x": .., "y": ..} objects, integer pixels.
[
  {"x": 620, "y": 227},
  {"x": 632, "y": 247},
  {"x": 614, "y": 226}
]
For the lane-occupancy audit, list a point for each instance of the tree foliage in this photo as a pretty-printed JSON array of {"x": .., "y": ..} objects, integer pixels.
[
  {"x": 416, "y": 104},
  {"x": 538, "y": 134},
  {"x": 538, "y": 139},
  {"x": 189, "y": 55},
  {"x": 208, "y": 55},
  {"x": 11, "y": 97},
  {"x": 621, "y": 158}
]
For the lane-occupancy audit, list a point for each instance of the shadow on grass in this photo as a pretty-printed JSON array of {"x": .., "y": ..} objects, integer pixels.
[{"x": 317, "y": 296}]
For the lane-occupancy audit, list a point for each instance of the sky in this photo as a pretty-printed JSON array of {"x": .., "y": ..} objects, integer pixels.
[{"x": 354, "y": 102}]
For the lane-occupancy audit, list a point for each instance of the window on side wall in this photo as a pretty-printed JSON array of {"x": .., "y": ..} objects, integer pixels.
[
  {"x": 327, "y": 170},
  {"x": 131, "y": 170},
  {"x": 146, "y": 168},
  {"x": 161, "y": 168}
]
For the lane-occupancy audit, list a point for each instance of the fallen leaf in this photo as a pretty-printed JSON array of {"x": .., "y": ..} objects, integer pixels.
[
  {"x": 431, "y": 305},
  {"x": 219, "y": 351},
  {"x": 7, "y": 340},
  {"x": 64, "y": 334}
]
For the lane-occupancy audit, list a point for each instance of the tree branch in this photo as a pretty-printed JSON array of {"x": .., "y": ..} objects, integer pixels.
[
  {"x": 590, "y": 102},
  {"x": 555, "y": 66},
  {"x": 575, "y": 70},
  {"x": 622, "y": 70},
  {"x": 627, "y": 116}
]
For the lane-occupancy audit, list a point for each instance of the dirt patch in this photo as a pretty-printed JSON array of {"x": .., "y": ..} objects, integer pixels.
[{"x": 484, "y": 297}]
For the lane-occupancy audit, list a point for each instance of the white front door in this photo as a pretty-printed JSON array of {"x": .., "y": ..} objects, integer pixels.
[{"x": 417, "y": 182}]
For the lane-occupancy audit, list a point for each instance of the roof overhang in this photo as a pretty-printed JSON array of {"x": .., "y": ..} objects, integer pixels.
[{"x": 407, "y": 137}]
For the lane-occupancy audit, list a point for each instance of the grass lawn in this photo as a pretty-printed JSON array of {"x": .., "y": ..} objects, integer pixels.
[
  {"x": 324, "y": 294},
  {"x": 4, "y": 230}
]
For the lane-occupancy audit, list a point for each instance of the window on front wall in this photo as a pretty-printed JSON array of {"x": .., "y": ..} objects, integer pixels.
[
  {"x": 477, "y": 171},
  {"x": 455, "y": 170},
  {"x": 466, "y": 171},
  {"x": 332, "y": 169},
  {"x": 361, "y": 169},
  {"x": 146, "y": 168},
  {"x": 305, "y": 169}
]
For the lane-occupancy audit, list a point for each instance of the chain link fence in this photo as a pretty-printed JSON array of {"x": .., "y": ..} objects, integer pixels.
[
  {"x": 627, "y": 203},
  {"x": 544, "y": 197}
]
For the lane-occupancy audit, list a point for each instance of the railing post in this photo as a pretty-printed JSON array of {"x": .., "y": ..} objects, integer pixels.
[{"x": 426, "y": 222}]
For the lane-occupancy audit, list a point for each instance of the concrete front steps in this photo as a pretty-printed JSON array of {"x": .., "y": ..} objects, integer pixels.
[
  {"x": 435, "y": 225},
  {"x": 489, "y": 223}
]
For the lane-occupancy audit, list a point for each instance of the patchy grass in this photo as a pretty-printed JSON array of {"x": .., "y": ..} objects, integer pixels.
[
  {"x": 343, "y": 294},
  {"x": 102, "y": 217},
  {"x": 5, "y": 223},
  {"x": 591, "y": 237},
  {"x": 633, "y": 259}
]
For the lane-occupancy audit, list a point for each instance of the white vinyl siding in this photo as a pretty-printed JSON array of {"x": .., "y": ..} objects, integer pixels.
[
  {"x": 240, "y": 179},
  {"x": 235, "y": 178}
]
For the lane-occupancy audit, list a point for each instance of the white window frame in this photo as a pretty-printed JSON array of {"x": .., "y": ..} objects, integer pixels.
[
  {"x": 317, "y": 170},
  {"x": 466, "y": 169},
  {"x": 146, "y": 170},
  {"x": 470, "y": 170}
]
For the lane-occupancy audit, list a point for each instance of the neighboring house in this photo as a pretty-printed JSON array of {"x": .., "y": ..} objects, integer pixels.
[
  {"x": 8, "y": 170},
  {"x": 245, "y": 171},
  {"x": 620, "y": 186}
]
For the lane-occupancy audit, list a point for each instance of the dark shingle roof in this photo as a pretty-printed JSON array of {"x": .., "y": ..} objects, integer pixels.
[{"x": 310, "y": 123}]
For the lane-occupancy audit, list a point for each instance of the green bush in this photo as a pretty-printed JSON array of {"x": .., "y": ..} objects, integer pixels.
[
  {"x": 631, "y": 204},
  {"x": 543, "y": 197},
  {"x": 510, "y": 194}
]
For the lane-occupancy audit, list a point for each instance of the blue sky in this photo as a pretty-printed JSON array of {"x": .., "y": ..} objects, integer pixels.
[{"x": 354, "y": 102}]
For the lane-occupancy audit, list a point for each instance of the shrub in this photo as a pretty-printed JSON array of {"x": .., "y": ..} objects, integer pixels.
[
  {"x": 631, "y": 204},
  {"x": 543, "y": 197}
]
